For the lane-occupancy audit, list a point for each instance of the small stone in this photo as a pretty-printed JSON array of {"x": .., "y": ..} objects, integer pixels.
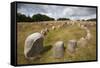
[
  {"x": 87, "y": 30},
  {"x": 79, "y": 24},
  {"x": 88, "y": 36},
  {"x": 72, "y": 44},
  {"x": 58, "y": 26},
  {"x": 58, "y": 49},
  {"x": 53, "y": 28},
  {"x": 44, "y": 31},
  {"x": 82, "y": 42}
]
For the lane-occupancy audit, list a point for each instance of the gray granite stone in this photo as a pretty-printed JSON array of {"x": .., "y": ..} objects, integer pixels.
[
  {"x": 33, "y": 45},
  {"x": 58, "y": 49},
  {"x": 72, "y": 44}
]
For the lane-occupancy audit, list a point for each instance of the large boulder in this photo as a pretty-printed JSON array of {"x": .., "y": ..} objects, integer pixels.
[
  {"x": 58, "y": 49},
  {"x": 33, "y": 45}
]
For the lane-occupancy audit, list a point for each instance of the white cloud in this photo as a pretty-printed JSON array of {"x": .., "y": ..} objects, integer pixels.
[{"x": 58, "y": 11}]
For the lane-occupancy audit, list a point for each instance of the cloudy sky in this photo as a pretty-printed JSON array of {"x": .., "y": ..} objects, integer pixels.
[{"x": 55, "y": 11}]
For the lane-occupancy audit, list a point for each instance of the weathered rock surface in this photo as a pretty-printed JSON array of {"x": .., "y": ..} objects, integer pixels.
[
  {"x": 58, "y": 49},
  {"x": 72, "y": 44},
  {"x": 33, "y": 45}
]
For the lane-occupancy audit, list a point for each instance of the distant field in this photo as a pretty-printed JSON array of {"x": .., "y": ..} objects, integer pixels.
[{"x": 65, "y": 33}]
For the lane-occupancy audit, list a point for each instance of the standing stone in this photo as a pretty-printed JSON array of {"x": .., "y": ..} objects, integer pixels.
[
  {"x": 72, "y": 44},
  {"x": 58, "y": 26},
  {"x": 33, "y": 45},
  {"x": 83, "y": 27},
  {"x": 58, "y": 49},
  {"x": 44, "y": 31},
  {"x": 46, "y": 24},
  {"x": 68, "y": 23},
  {"x": 87, "y": 30},
  {"x": 88, "y": 36},
  {"x": 50, "y": 24},
  {"x": 82, "y": 42},
  {"x": 79, "y": 25},
  {"x": 53, "y": 28},
  {"x": 72, "y": 23},
  {"x": 62, "y": 24},
  {"x": 91, "y": 24}
]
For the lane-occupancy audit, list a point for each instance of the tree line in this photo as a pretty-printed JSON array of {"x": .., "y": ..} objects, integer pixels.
[
  {"x": 36, "y": 18},
  {"x": 93, "y": 19},
  {"x": 40, "y": 17}
]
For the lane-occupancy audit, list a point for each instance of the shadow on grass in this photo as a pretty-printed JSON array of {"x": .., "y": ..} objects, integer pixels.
[
  {"x": 38, "y": 58},
  {"x": 46, "y": 49}
]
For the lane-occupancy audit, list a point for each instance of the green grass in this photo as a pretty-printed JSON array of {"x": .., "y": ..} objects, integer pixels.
[{"x": 65, "y": 33}]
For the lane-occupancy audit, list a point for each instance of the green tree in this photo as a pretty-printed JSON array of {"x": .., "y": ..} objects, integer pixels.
[
  {"x": 41, "y": 17},
  {"x": 23, "y": 18},
  {"x": 92, "y": 19},
  {"x": 34, "y": 18},
  {"x": 62, "y": 19}
]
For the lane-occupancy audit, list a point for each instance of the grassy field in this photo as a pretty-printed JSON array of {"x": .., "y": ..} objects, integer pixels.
[{"x": 65, "y": 33}]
